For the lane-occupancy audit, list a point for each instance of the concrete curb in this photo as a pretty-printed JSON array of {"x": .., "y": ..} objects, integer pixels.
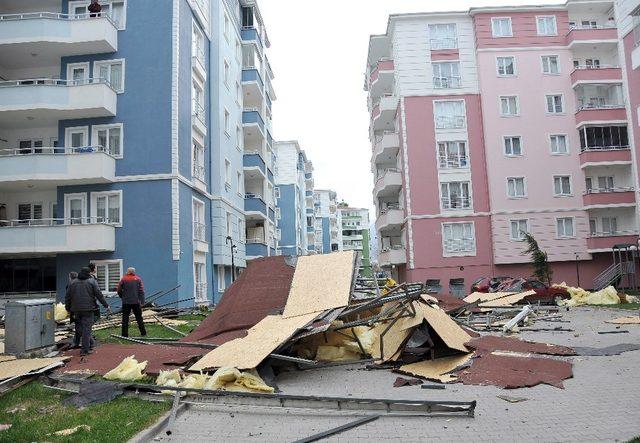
[{"x": 149, "y": 434}]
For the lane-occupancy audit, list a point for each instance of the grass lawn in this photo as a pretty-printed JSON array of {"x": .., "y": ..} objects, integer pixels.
[
  {"x": 37, "y": 413},
  {"x": 153, "y": 330}
]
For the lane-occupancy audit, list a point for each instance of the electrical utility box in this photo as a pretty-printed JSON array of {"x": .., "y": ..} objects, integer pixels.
[{"x": 29, "y": 325}]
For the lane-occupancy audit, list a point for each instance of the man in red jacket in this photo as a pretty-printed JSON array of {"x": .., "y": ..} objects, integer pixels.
[{"x": 131, "y": 291}]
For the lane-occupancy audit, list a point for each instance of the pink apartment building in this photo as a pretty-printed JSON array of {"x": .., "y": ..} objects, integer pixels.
[{"x": 496, "y": 121}]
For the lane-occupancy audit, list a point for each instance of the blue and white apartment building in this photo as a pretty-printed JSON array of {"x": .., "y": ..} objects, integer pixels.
[
  {"x": 295, "y": 211},
  {"x": 140, "y": 137},
  {"x": 328, "y": 230}
]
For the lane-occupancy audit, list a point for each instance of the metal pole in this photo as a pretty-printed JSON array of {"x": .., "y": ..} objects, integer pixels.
[
  {"x": 229, "y": 240},
  {"x": 577, "y": 269}
]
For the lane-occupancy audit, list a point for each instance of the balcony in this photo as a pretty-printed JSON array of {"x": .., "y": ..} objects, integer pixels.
[
  {"x": 453, "y": 161},
  {"x": 604, "y": 241},
  {"x": 390, "y": 220},
  {"x": 199, "y": 118},
  {"x": 49, "y": 36},
  {"x": 199, "y": 62},
  {"x": 253, "y": 160},
  {"x": 596, "y": 74},
  {"x": 381, "y": 79},
  {"x": 384, "y": 113},
  {"x": 252, "y": 88},
  {"x": 600, "y": 156},
  {"x": 250, "y": 34},
  {"x": 386, "y": 147},
  {"x": 614, "y": 197},
  {"x": 200, "y": 237},
  {"x": 55, "y": 236},
  {"x": 256, "y": 248},
  {"x": 56, "y": 166},
  {"x": 456, "y": 203},
  {"x": 51, "y": 100},
  {"x": 389, "y": 183},
  {"x": 586, "y": 37},
  {"x": 393, "y": 256},
  {"x": 254, "y": 205},
  {"x": 596, "y": 113}
]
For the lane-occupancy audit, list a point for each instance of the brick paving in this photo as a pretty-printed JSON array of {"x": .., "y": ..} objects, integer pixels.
[{"x": 600, "y": 403}]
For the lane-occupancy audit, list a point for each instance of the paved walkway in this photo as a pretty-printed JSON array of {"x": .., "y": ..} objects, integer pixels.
[{"x": 601, "y": 402}]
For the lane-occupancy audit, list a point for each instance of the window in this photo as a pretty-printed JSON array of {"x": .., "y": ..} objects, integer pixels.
[
  {"x": 446, "y": 75},
  {"x": 592, "y": 63},
  {"x": 512, "y": 146},
  {"x": 555, "y": 104},
  {"x": 506, "y": 66},
  {"x": 458, "y": 238},
  {"x": 443, "y": 36},
  {"x": 564, "y": 227},
  {"x": 78, "y": 73},
  {"x": 227, "y": 28},
  {"x": 199, "y": 170},
  {"x": 238, "y": 51},
  {"x": 30, "y": 211},
  {"x": 227, "y": 120},
  {"x": 227, "y": 174},
  {"x": 515, "y": 187},
  {"x": 501, "y": 27},
  {"x": 240, "y": 183},
  {"x": 106, "y": 207},
  {"x": 116, "y": 9},
  {"x": 222, "y": 284},
  {"x": 455, "y": 195},
  {"x": 550, "y": 64},
  {"x": 279, "y": 214},
  {"x": 197, "y": 44},
  {"x": 111, "y": 71},
  {"x": 109, "y": 137},
  {"x": 228, "y": 224},
  {"x": 588, "y": 24},
  {"x": 452, "y": 155},
  {"x": 559, "y": 144},
  {"x": 227, "y": 74},
  {"x": 276, "y": 192},
  {"x": 76, "y": 137},
  {"x": 238, "y": 93},
  {"x": 603, "y": 137},
  {"x": 242, "y": 233},
  {"x": 450, "y": 114},
  {"x": 562, "y": 185},
  {"x": 109, "y": 275},
  {"x": 609, "y": 225},
  {"x": 199, "y": 227},
  {"x": 606, "y": 184},
  {"x": 593, "y": 227},
  {"x": 518, "y": 229},
  {"x": 547, "y": 25},
  {"x": 509, "y": 106},
  {"x": 75, "y": 208}
]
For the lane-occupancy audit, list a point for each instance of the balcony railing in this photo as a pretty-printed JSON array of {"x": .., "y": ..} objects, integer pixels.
[
  {"x": 603, "y": 148},
  {"x": 55, "y": 222},
  {"x": 54, "y": 151},
  {"x": 581, "y": 26},
  {"x": 55, "y": 16},
  {"x": 609, "y": 190},
  {"x": 55, "y": 82},
  {"x": 590, "y": 67},
  {"x": 256, "y": 240},
  {"x": 581, "y": 106},
  {"x": 200, "y": 292},
  {"x": 447, "y": 82},
  {"x": 199, "y": 56},
  {"x": 457, "y": 245},
  {"x": 612, "y": 233},
  {"x": 199, "y": 231},
  {"x": 454, "y": 161},
  {"x": 382, "y": 174},
  {"x": 443, "y": 43},
  {"x": 456, "y": 203},
  {"x": 198, "y": 111},
  {"x": 451, "y": 122},
  {"x": 389, "y": 207}
]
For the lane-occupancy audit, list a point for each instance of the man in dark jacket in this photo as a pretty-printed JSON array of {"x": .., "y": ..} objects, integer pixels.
[
  {"x": 95, "y": 8},
  {"x": 81, "y": 299},
  {"x": 131, "y": 291}
]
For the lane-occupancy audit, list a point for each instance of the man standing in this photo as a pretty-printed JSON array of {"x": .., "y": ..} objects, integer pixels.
[
  {"x": 131, "y": 291},
  {"x": 81, "y": 299},
  {"x": 95, "y": 8}
]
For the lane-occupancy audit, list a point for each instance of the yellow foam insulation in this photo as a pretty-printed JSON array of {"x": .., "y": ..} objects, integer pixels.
[
  {"x": 15, "y": 367},
  {"x": 632, "y": 320},
  {"x": 225, "y": 379},
  {"x": 261, "y": 340},
  {"x": 436, "y": 369},
  {"x": 128, "y": 370},
  {"x": 320, "y": 282},
  {"x": 71, "y": 431},
  {"x": 449, "y": 331},
  {"x": 336, "y": 353},
  {"x": 60, "y": 312},
  {"x": 581, "y": 297},
  {"x": 309, "y": 347}
]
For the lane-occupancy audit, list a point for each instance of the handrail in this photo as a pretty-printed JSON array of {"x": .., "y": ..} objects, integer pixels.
[
  {"x": 615, "y": 233},
  {"x": 577, "y": 27},
  {"x": 453, "y": 161},
  {"x": 55, "y": 82},
  {"x": 252, "y": 195},
  {"x": 199, "y": 231},
  {"x": 609, "y": 190},
  {"x": 456, "y": 202},
  {"x": 199, "y": 171},
  {"x": 254, "y": 241},
  {"x": 603, "y": 148},
  {"x": 590, "y": 106},
  {"x": 54, "y": 150},
  {"x": 55, "y": 16},
  {"x": 592, "y": 67},
  {"x": 199, "y": 111},
  {"x": 606, "y": 277},
  {"x": 451, "y": 121},
  {"x": 67, "y": 221}
]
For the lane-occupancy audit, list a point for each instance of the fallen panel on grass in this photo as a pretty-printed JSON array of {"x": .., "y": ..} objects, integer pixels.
[{"x": 24, "y": 366}]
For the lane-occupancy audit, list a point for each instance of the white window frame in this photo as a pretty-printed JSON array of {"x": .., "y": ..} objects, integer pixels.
[
  {"x": 278, "y": 214},
  {"x": 570, "y": 193},
  {"x": 123, "y": 24},
  {"x": 573, "y": 227},
  {"x": 504, "y": 145},
  {"x": 239, "y": 138},
  {"x": 520, "y": 236},
  {"x": 469, "y": 253},
  {"x": 495, "y": 20},
  {"x": 524, "y": 188},
  {"x": 106, "y": 263},
  {"x": 517, "y": 105},
  {"x": 448, "y": 196},
  {"x": 72, "y": 66},
  {"x": 226, "y": 116},
  {"x": 68, "y": 132},
  {"x": 566, "y": 141},
  {"x": 226, "y": 74},
  {"x": 31, "y": 210},
  {"x": 98, "y": 63},
  {"x": 96, "y": 128},
  {"x": 94, "y": 205},
  {"x": 542, "y": 64},
  {"x": 546, "y": 104},
  {"x": 221, "y": 277},
  {"x": 67, "y": 207},
  {"x": 198, "y": 207},
  {"x": 226, "y": 28},
  {"x": 240, "y": 178},
  {"x": 442, "y": 42},
  {"x": 546, "y": 17},
  {"x": 276, "y": 192},
  {"x": 463, "y": 116},
  {"x": 228, "y": 223},
  {"x": 498, "y": 66}
]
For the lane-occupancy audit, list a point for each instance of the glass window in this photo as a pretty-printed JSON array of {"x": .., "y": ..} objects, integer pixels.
[
  {"x": 452, "y": 155},
  {"x": 458, "y": 237},
  {"x": 547, "y": 25},
  {"x": 506, "y": 66},
  {"x": 550, "y": 64},
  {"x": 609, "y": 225},
  {"x": 562, "y": 185},
  {"x": 110, "y": 138},
  {"x": 455, "y": 195},
  {"x": 564, "y": 227},
  {"x": 559, "y": 144},
  {"x": 450, "y": 114},
  {"x": 518, "y": 229},
  {"x": 604, "y": 137},
  {"x": 509, "y": 105},
  {"x": 443, "y": 36},
  {"x": 512, "y": 146},
  {"x": 515, "y": 187},
  {"x": 109, "y": 275},
  {"x": 555, "y": 104},
  {"x": 112, "y": 72},
  {"x": 501, "y": 27},
  {"x": 606, "y": 183},
  {"x": 108, "y": 207},
  {"x": 446, "y": 75}
]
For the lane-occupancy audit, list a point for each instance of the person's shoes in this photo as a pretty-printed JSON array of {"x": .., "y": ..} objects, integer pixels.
[{"x": 83, "y": 354}]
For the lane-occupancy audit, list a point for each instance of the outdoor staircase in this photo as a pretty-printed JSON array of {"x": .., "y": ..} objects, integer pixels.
[{"x": 612, "y": 274}]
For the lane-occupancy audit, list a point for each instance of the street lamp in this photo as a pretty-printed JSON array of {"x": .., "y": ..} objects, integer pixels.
[
  {"x": 229, "y": 240},
  {"x": 577, "y": 269}
]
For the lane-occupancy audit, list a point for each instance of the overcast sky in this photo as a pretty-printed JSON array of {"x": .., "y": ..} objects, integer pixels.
[{"x": 318, "y": 54}]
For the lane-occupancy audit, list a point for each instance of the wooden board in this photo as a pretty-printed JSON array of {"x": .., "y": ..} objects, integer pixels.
[
  {"x": 449, "y": 331},
  {"x": 632, "y": 320},
  {"x": 6, "y": 358},
  {"x": 437, "y": 369},
  {"x": 14, "y": 368},
  {"x": 485, "y": 296},
  {"x": 507, "y": 300},
  {"x": 320, "y": 282},
  {"x": 261, "y": 340}
]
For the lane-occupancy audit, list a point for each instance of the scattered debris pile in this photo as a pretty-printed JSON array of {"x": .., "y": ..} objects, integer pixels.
[{"x": 606, "y": 296}]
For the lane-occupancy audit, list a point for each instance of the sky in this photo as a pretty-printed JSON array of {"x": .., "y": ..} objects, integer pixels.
[{"x": 318, "y": 55}]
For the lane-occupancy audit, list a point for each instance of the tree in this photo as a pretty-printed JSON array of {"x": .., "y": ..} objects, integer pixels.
[{"x": 539, "y": 259}]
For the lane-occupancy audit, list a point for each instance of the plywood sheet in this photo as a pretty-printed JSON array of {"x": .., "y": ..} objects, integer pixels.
[
  {"x": 14, "y": 368},
  {"x": 320, "y": 282},
  {"x": 437, "y": 369},
  {"x": 632, "y": 320},
  {"x": 485, "y": 296},
  {"x": 6, "y": 358},
  {"x": 391, "y": 342},
  {"x": 260, "y": 341},
  {"x": 449, "y": 331},
  {"x": 507, "y": 300}
]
